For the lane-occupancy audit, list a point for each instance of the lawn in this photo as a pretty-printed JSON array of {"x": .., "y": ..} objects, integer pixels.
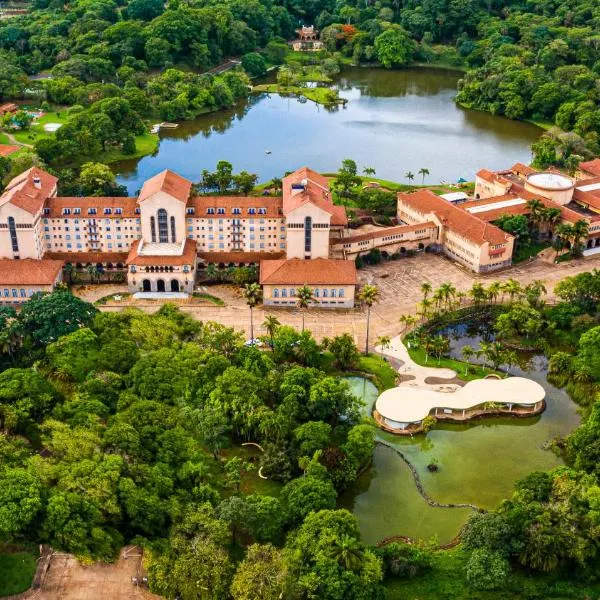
[
  {"x": 320, "y": 95},
  {"x": 474, "y": 371},
  {"x": 36, "y": 131},
  {"x": 145, "y": 144},
  {"x": 384, "y": 375},
  {"x": 16, "y": 572},
  {"x": 209, "y": 298},
  {"x": 529, "y": 251},
  {"x": 4, "y": 139},
  {"x": 446, "y": 581}
]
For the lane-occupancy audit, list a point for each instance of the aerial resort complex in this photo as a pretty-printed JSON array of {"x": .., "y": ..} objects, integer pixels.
[
  {"x": 167, "y": 236},
  {"x": 299, "y": 300}
]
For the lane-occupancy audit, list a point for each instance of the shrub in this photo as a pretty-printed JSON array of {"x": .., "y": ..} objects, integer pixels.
[
  {"x": 404, "y": 560},
  {"x": 486, "y": 570}
]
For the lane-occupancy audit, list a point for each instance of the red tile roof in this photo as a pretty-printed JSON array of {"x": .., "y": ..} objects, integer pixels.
[
  {"x": 88, "y": 257},
  {"x": 383, "y": 232},
  {"x": 58, "y": 204},
  {"x": 591, "y": 166},
  {"x": 316, "y": 191},
  {"x": 8, "y": 108},
  {"x": 188, "y": 257},
  {"x": 272, "y": 205},
  {"x": 455, "y": 218},
  {"x": 169, "y": 183},
  {"x": 29, "y": 271},
  {"x": 319, "y": 271},
  {"x": 6, "y": 150},
  {"x": 237, "y": 257},
  {"x": 24, "y": 193}
]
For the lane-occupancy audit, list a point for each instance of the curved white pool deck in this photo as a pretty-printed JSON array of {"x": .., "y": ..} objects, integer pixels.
[
  {"x": 410, "y": 405},
  {"x": 410, "y": 402}
]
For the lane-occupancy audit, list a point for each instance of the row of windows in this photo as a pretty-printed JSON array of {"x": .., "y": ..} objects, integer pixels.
[
  {"x": 91, "y": 211},
  {"x": 318, "y": 293},
  {"x": 14, "y": 293},
  {"x": 190, "y": 210}
]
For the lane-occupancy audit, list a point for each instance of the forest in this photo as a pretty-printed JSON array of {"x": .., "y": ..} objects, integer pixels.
[
  {"x": 526, "y": 60},
  {"x": 126, "y": 427}
]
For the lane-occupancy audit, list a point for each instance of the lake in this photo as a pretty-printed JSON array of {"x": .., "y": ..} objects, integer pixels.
[
  {"x": 479, "y": 462},
  {"x": 394, "y": 121}
]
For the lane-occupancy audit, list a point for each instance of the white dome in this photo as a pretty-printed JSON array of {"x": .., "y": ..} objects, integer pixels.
[{"x": 550, "y": 181}]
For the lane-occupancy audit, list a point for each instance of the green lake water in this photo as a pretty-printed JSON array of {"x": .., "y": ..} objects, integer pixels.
[{"x": 478, "y": 463}]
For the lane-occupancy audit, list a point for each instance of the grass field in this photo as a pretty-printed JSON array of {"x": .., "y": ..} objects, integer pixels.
[
  {"x": 4, "y": 139},
  {"x": 36, "y": 131},
  {"x": 446, "y": 581},
  {"x": 384, "y": 375},
  {"x": 474, "y": 371},
  {"x": 530, "y": 251},
  {"x": 145, "y": 144},
  {"x": 320, "y": 95},
  {"x": 16, "y": 571}
]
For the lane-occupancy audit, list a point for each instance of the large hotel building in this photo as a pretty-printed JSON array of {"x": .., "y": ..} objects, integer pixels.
[{"x": 166, "y": 235}]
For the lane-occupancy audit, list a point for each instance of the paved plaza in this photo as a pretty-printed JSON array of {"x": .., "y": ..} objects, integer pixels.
[{"x": 399, "y": 283}]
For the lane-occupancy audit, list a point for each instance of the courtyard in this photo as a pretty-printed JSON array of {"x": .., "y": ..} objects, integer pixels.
[{"x": 399, "y": 283}]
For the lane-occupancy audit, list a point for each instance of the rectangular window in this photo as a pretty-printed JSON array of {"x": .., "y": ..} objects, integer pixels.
[
  {"x": 324, "y": 293},
  {"x": 14, "y": 293},
  {"x": 341, "y": 292},
  {"x": 22, "y": 292},
  {"x": 284, "y": 293}
]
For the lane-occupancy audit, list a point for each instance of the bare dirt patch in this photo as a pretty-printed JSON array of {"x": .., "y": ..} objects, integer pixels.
[{"x": 68, "y": 579}]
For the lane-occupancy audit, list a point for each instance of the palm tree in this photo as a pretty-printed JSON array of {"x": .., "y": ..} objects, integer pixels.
[
  {"x": 448, "y": 293},
  {"x": 424, "y": 173},
  {"x": 69, "y": 270},
  {"x": 477, "y": 293},
  {"x": 408, "y": 320},
  {"x": 426, "y": 289},
  {"x": 384, "y": 342},
  {"x": 211, "y": 271},
  {"x": 409, "y": 175},
  {"x": 304, "y": 296},
  {"x": 347, "y": 552},
  {"x": 92, "y": 271},
  {"x": 253, "y": 294},
  {"x": 369, "y": 295},
  {"x": 467, "y": 353},
  {"x": 369, "y": 171},
  {"x": 536, "y": 212},
  {"x": 271, "y": 324},
  {"x": 512, "y": 287},
  {"x": 493, "y": 290},
  {"x": 276, "y": 183},
  {"x": 580, "y": 232},
  {"x": 423, "y": 308}
]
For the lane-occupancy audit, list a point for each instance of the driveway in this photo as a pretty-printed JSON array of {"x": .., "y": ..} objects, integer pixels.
[{"x": 399, "y": 283}]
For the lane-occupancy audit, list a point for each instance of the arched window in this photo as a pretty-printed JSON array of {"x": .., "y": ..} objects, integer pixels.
[
  {"x": 13, "y": 234},
  {"x": 173, "y": 236},
  {"x": 307, "y": 234},
  {"x": 153, "y": 229},
  {"x": 163, "y": 226}
]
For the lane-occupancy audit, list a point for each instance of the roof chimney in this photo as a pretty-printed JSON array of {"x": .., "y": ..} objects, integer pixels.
[{"x": 37, "y": 182}]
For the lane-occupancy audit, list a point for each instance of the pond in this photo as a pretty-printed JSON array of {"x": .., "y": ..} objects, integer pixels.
[
  {"x": 394, "y": 121},
  {"x": 479, "y": 462}
]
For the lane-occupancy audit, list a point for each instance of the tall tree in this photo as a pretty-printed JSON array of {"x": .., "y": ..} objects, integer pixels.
[{"x": 369, "y": 295}]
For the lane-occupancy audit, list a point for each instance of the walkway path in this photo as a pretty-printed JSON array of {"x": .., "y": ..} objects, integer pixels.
[
  {"x": 398, "y": 350},
  {"x": 15, "y": 141}
]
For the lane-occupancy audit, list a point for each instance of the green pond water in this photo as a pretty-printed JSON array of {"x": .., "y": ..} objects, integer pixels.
[{"x": 478, "y": 463}]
